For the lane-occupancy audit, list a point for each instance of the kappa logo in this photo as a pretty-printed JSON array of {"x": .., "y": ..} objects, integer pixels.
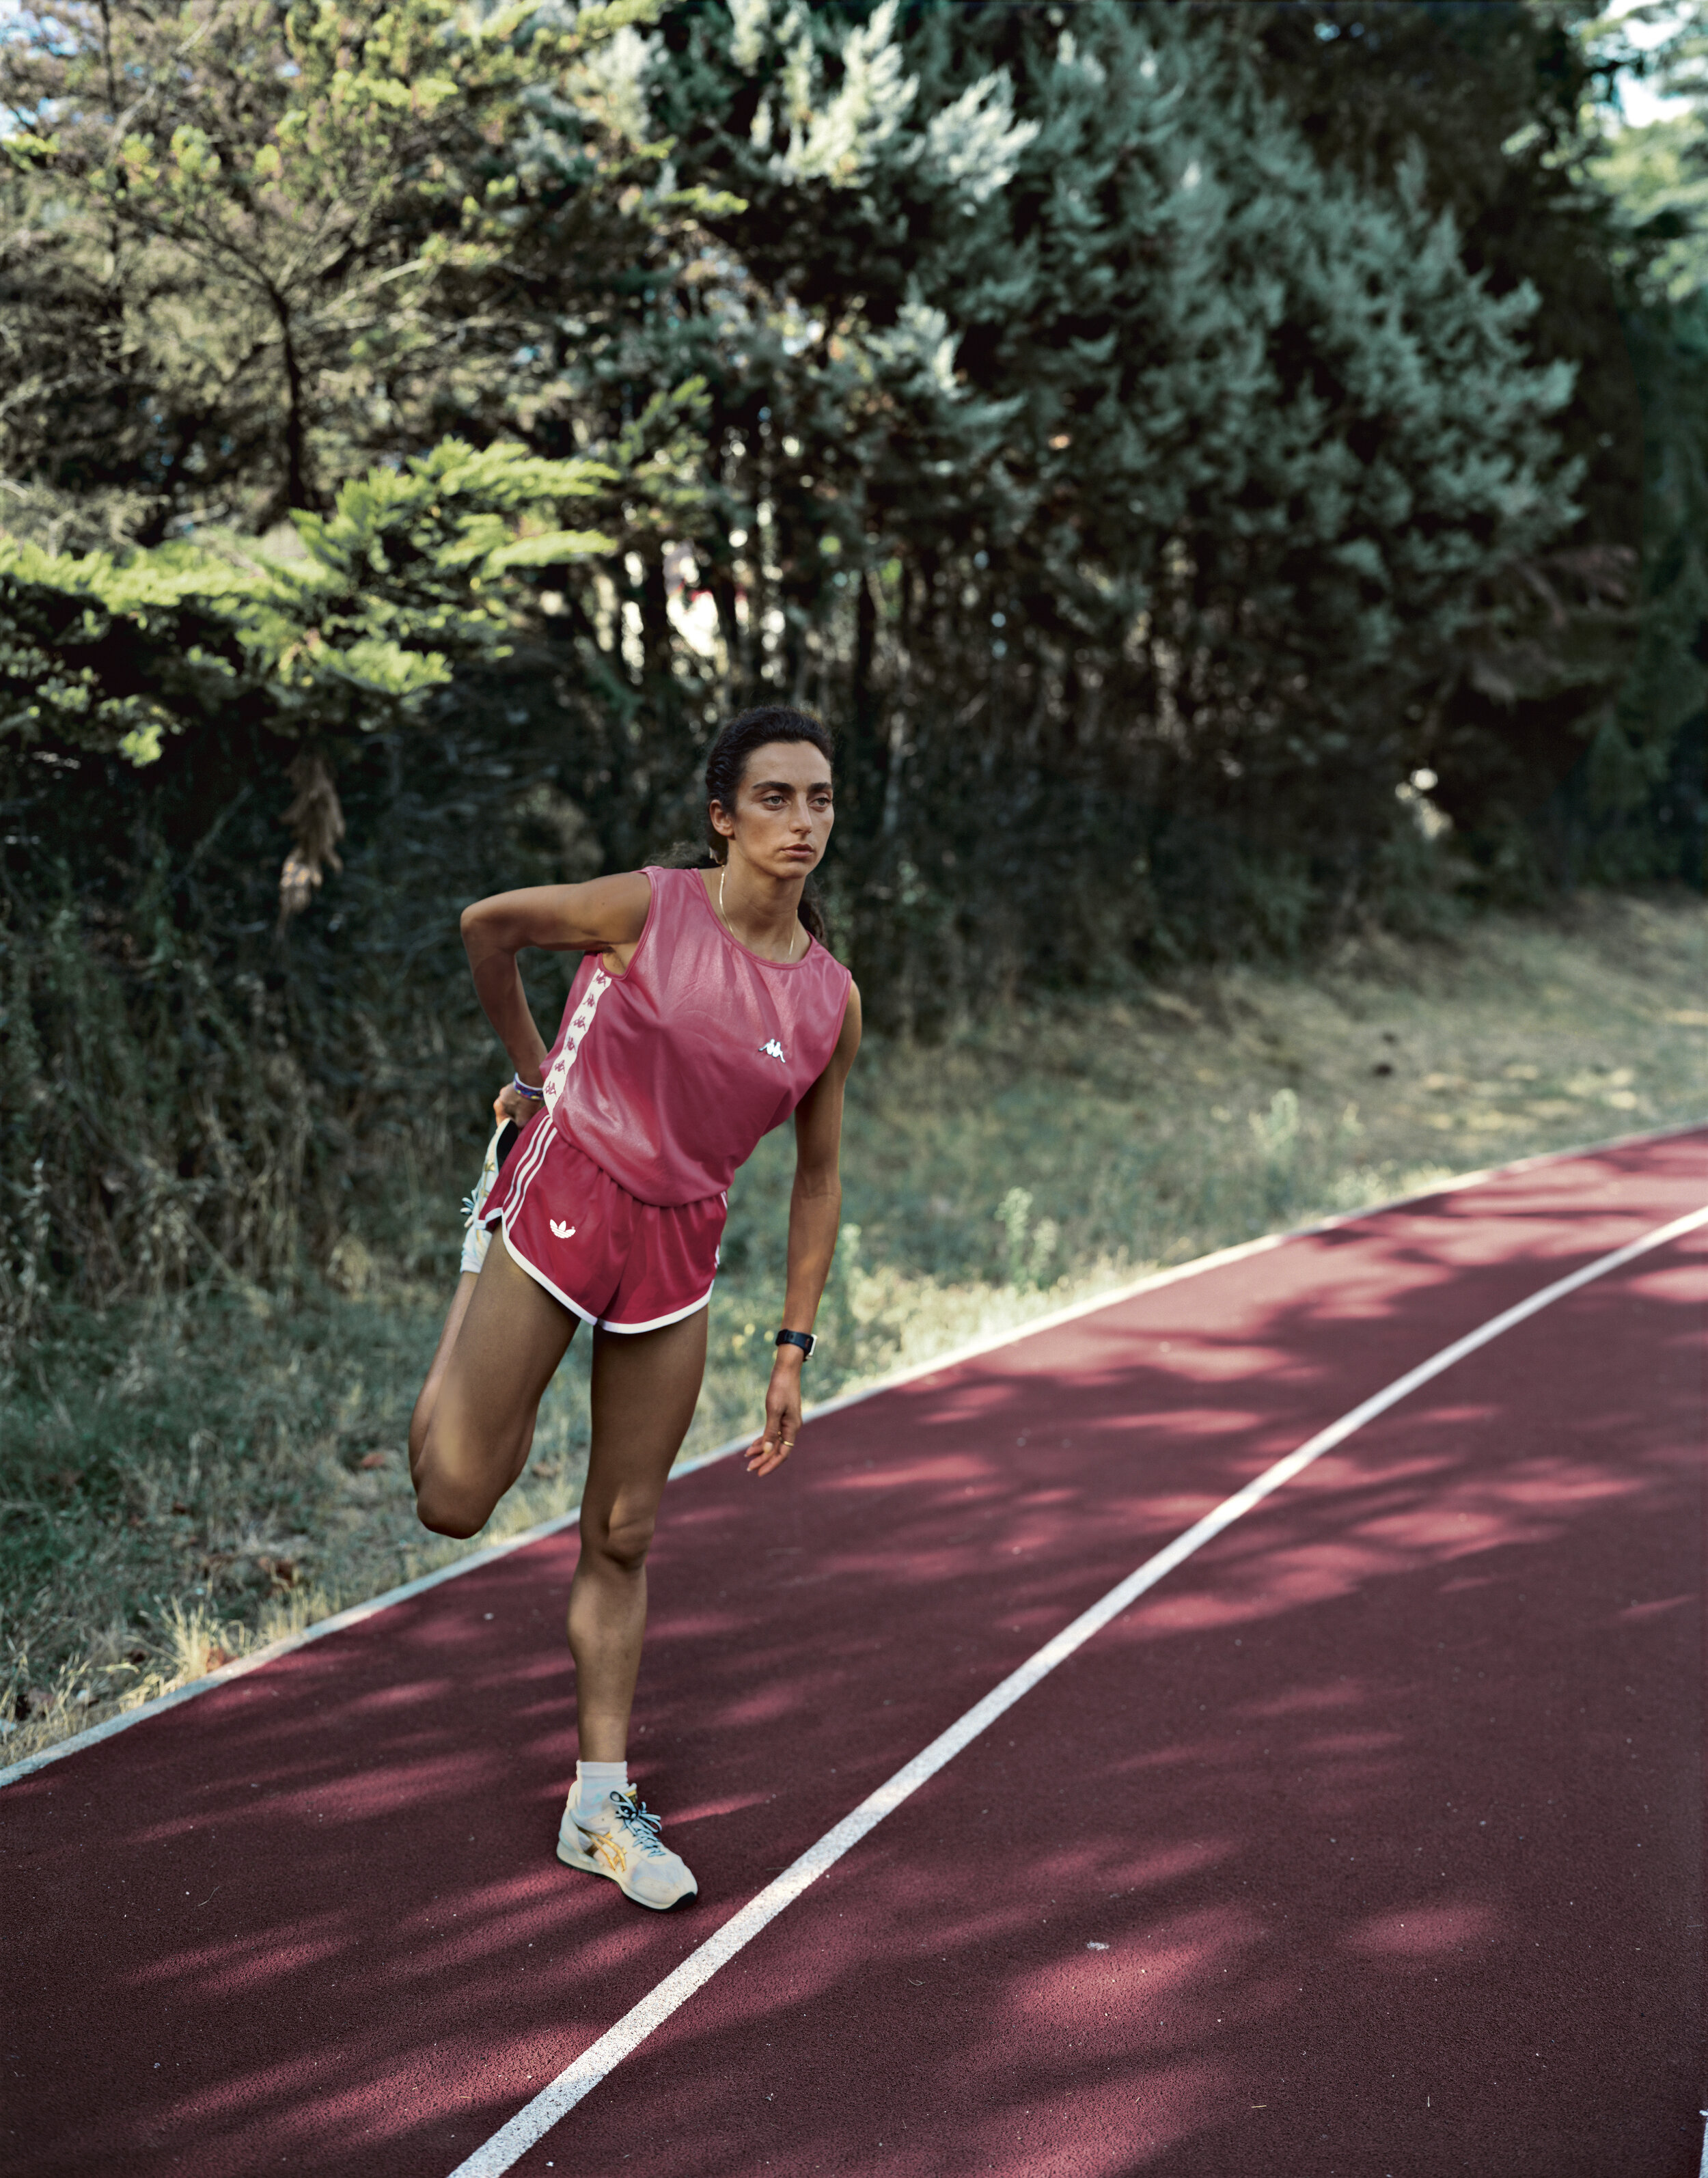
[
  {"x": 773, "y": 1049},
  {"x": 563, "y": 1232}
]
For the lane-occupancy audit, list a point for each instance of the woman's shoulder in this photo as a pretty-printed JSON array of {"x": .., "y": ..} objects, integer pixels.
[
  {"x": 676, "y": 879},
  {"x": 839, "y": 978},
  {"x": 836, "y": 971},
  {"x": 678, "y": 894},
  {"x": 827, "y": 991}
]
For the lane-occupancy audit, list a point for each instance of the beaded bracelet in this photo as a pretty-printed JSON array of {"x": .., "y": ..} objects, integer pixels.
[{"x": 522, "y": 1089}]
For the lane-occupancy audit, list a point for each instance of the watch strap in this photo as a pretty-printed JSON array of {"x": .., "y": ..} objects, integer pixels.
[{"x": 803, "y": 1339}]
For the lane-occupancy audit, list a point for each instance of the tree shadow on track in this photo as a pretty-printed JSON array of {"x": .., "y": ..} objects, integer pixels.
[{"x": 313, "y": 1918}]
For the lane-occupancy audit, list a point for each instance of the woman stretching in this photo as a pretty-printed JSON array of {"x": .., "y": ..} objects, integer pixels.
[{"x": 704, "y": 1012}]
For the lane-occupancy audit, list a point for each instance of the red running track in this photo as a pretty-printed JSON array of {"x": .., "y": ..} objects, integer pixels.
[{"x": 1385, "y": 1806}]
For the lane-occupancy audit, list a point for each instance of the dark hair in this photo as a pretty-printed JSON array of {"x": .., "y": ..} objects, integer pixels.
[{"x": 727, "y": 764}]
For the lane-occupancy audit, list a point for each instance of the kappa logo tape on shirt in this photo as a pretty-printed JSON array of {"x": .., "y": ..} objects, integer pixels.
[
  {"x": 772, "y": 1049},
  {"x": 580, "y": 1021}
]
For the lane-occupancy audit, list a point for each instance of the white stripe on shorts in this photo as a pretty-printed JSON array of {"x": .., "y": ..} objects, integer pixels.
[{"x": 530, "y": 1166}]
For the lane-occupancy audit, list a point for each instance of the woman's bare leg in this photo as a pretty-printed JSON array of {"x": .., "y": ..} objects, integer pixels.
[
  {"x": 644, "y": 1388},
  {"x": 429, "y": 1398},
  {"x": 502, "y": 1341}
]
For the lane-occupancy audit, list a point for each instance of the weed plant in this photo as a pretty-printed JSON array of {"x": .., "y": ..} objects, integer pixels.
[{"x": 189, "y": 1477}]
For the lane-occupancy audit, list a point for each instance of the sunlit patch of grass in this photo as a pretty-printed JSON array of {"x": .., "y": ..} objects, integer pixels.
[{"x": 196, "y": 1481}]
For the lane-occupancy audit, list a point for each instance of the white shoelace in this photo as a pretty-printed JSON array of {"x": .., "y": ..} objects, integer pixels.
[{"x": 639, "y": 1821}]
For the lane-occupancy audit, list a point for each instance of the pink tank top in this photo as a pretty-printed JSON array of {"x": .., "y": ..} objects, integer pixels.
[{"x": 667, "y": 1075}]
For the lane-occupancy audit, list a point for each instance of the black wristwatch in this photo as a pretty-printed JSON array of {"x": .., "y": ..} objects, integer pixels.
[{"x": 803, "y": 1339}]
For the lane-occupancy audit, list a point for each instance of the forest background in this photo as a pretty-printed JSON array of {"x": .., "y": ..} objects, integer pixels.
[{"x": 1234, "y": 476}]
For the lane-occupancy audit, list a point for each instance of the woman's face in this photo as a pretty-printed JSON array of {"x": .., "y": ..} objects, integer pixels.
[{"x": 783, "y": 812}]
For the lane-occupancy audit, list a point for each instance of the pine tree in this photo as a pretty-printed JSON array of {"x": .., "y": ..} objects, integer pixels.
[
  {"x": 1647, "y": 787},
  {"x": 1559, "y": 724},
  {"x": 254, "y": 249},
  {"x": 384, "y": 599},
  {"x": 1202, "y": 457}
]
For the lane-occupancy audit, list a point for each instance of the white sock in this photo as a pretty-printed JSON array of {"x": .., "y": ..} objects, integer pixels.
[{"x": 599, "y": 1781}]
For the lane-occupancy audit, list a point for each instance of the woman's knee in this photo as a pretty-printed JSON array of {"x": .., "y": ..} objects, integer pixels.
[
  {"x": 621, "y": 1539},
  {"x": 453, "y": 1496},
  {"x": 445, "y": 1510}
]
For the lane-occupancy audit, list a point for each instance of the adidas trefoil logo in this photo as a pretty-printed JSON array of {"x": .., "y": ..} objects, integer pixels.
[
  {"x": 563, "y": 1232},
  {"x": 773, "y": 1049}
]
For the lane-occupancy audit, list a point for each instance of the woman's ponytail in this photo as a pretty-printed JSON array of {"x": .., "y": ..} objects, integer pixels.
[{"x": 812, "y": 914}]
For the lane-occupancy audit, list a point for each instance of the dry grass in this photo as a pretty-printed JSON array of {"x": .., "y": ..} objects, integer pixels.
[{"x": 185, "y": 1483}]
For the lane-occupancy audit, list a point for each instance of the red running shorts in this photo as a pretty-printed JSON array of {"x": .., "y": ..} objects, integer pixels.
[{"x": 618, "y": 1263}]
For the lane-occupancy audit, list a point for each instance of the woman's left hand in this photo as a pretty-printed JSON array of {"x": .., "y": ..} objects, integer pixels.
[{"x": 782, "y": 1414}]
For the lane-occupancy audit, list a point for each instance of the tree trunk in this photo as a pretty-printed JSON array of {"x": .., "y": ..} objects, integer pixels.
[{"x": 297, "y": 491}]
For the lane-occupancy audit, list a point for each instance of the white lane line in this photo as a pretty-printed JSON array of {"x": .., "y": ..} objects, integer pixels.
[
  {"x": 1112, "y": 1297},
  {"x": 555, "y": 2101}
]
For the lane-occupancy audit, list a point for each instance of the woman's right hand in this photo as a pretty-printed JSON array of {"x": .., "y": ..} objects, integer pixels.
[{"x": 509, "y": 1103}]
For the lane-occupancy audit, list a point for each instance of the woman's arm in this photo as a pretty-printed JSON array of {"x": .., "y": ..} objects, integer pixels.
[
  {"x": 605, "y": 915},
  {"x": 815, "y": 1215}
]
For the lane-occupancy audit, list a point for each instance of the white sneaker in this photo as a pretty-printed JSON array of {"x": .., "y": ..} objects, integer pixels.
[
  {"x": 629, "y": 1850},
  {"x": 476, "y": 1240}
]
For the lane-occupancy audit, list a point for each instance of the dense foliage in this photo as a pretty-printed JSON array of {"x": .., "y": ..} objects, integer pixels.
[{"x": 1190, "y": 454}]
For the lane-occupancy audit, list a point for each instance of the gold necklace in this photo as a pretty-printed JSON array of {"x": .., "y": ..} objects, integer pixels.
[{"x": 730, "y": 926}]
